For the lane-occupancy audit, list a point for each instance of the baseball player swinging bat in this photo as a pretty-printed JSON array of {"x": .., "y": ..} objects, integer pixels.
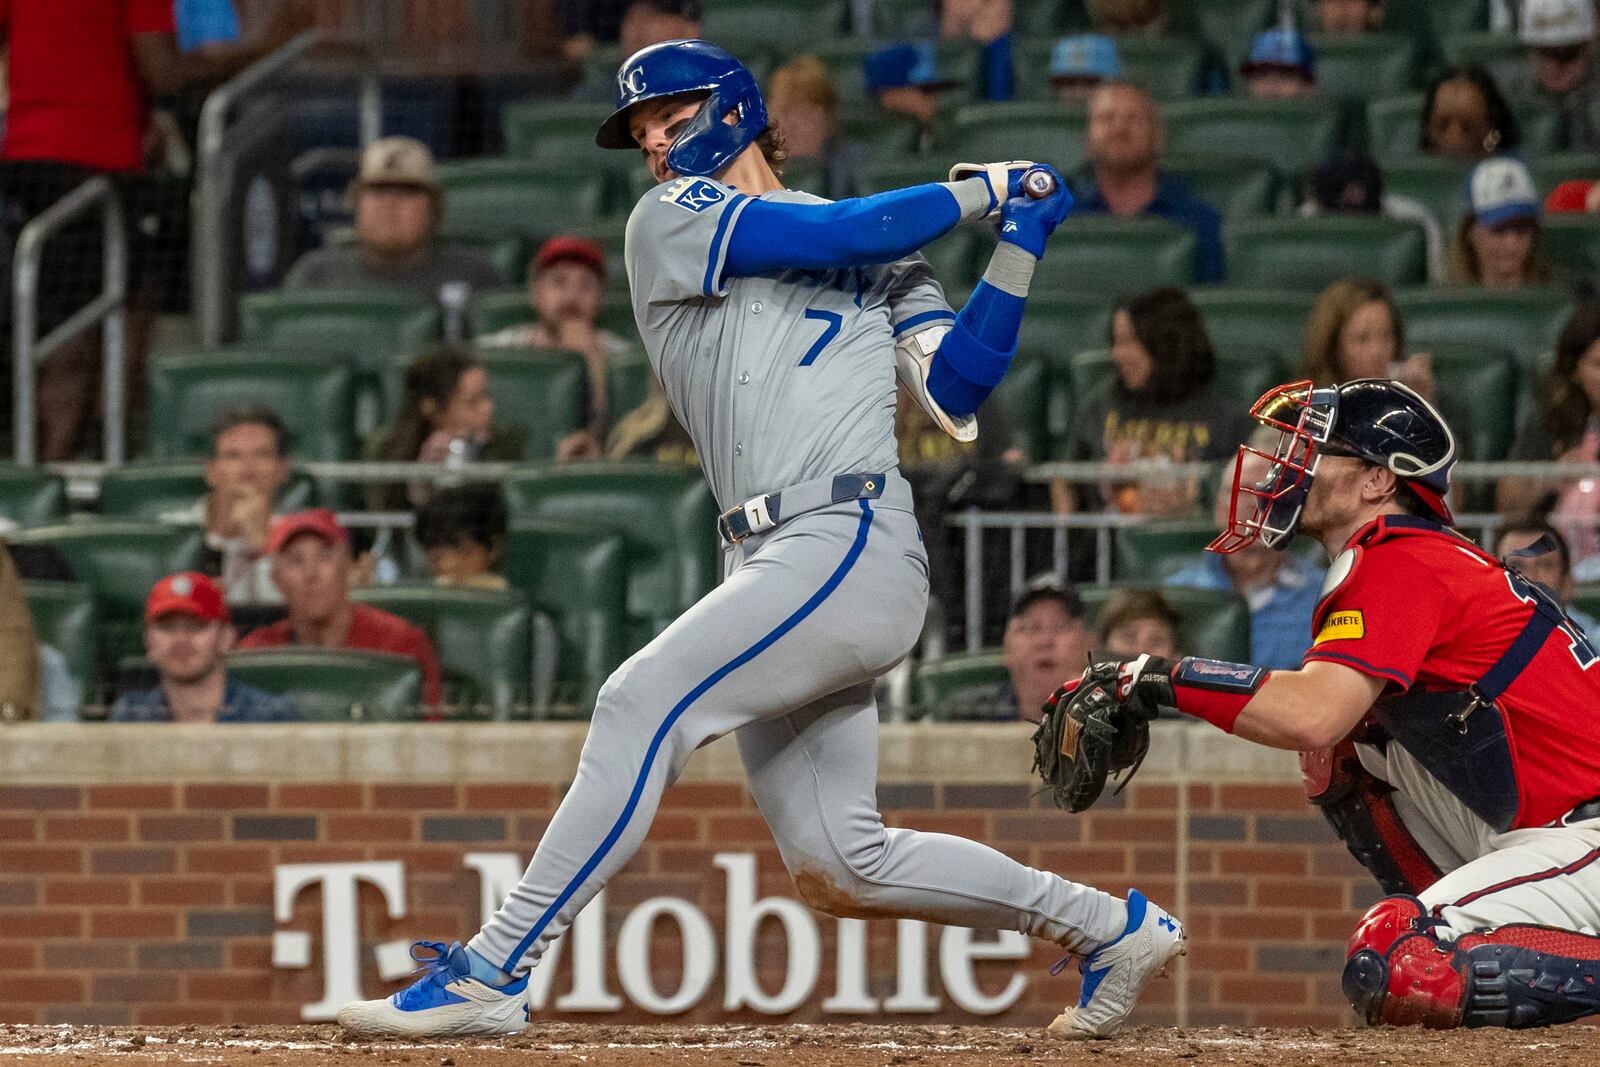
[{"x": 778, "y": 323}]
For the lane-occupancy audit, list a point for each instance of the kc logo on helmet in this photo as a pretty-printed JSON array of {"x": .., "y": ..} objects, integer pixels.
[{"x": 634, "y": 82}]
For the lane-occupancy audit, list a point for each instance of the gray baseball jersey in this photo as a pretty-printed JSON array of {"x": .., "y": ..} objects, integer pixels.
[{"x": 779, "y": 380}]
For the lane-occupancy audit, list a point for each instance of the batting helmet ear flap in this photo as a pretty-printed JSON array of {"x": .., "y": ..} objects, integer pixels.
[{"x": 709, "y": 143}]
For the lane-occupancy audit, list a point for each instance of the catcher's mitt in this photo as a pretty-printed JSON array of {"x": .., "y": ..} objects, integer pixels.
[{"x": 1099, "y": 725}]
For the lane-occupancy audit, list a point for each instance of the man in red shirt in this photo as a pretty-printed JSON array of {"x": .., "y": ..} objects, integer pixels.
[
  {"x": 1448, "y": 716},
  {"x": 311, "y": 567},
  {"x": 80, "y": 77}
]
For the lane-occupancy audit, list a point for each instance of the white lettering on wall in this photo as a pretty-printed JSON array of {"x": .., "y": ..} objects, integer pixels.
[
  {"x": 741, "y": 984},
  {"x": 341, "y": 920},
  {"x": 957, "y": 951},
  {"x": 699, "y": 955}
]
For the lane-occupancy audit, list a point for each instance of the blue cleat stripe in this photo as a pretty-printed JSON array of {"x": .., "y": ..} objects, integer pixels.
[{"x": 677, "y": 711}]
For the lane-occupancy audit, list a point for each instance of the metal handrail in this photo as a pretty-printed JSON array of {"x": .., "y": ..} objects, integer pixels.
[
  {"x": 106, "y": 310},
  {"x": 209, "y": 251}
]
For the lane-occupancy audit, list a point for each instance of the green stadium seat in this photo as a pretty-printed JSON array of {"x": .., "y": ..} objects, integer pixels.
[
  {"x": 1227, "y": 27},
  {"x": 666, "y": 516},
  {"x": 779, "y": 26},
  {"x": 1483, "y": 48},
  {"x": 1586, "y": 598},
  {"x": 885, "y": 135},
  {"x": 506, "y": 252},
  {"x": 1394, "y": 128},
  {"x": 63, "y": 617},
  {"x": 1311, "y": 254},
  {"x": 627, "y": 384},
  {"x": 1359, "y": 68},
  {"x": 542, "y": 391},
  {"x": 120, "y": 562},
  {"x": 503, "y": 196},
  {"x": 1216, "y": 624},
  {"x": 1525, "y": 322},
  {"x": 1112, "y": 256},
  {"x": 30, "y": 496},
  {"x": 314, "y": 395},
  {"x": 898, "y": 173},
  {"x": 370, "y": 324},
  {"x": 1266, "y": 319},
  {"x": 963, "y": 686},
  {"x": 483, "y": 638},
  {"x": 958, "y": 259},
  {"x": 1573, "y": 243},
  {"x": 1023, "y": 395},
  {"x": 558, "y": 131},
  {"x": 1043, "y": 131},
  {"x": 578, "y": 579},
  {"x": 163, "y": 492},
  {"x": 1291, "y": 136},
  {"x": 498, "y": 309},
  {"x": 335, "y": 685},
  {"x": 845, "y": 58},
  {"x": 1154, "y": 552},
  {"x": 1552, "y": 168},
  {"x": 1237, "y": 188},
  {"x": 1428, "y": 22},
  {"x": 1438, "y": 184},
  {"x": 616, "y": 314},
  {"x": 1477, "y": 395},
  {"x": 899, "y": 20},
  {"x": 1169, "y": 67}
]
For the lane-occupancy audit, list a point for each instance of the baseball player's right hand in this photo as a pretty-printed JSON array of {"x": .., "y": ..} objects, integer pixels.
[
  {"x": 1004, "y": 180},
  {"x": 1028, "y": 223}
]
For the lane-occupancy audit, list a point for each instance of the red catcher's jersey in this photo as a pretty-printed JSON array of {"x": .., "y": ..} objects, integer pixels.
[{"x": 1421, "y": 606}]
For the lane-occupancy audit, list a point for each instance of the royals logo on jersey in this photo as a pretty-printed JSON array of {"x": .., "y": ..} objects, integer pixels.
[{"x": 694, "y": 194}]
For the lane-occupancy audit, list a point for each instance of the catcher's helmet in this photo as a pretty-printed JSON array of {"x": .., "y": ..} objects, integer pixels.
[
  {"x": 1373, "y": 419},
  {"x": 707, "y": 143}
]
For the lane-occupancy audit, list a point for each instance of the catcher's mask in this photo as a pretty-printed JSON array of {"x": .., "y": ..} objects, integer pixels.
[{"x": 1379, "y": 421}]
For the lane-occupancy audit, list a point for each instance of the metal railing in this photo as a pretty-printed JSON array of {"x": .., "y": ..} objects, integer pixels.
[
  {"x": 106, "y": 311},
  {"x": 219, "y": 145}
]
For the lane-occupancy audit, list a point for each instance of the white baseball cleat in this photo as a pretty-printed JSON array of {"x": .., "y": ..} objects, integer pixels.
[
  {"x": 1116, "y": 973},
  {"x": 446, "y": 1002}
]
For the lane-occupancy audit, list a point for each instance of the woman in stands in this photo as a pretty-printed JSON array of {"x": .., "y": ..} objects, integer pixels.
[
  {"x": 1157, "y": 406},
  {"x": 447, "y": 416},
  {"x": 1566, "y": 427},
  {"x": 1496, "y": 245},
  {"x": 1466, "y": 117},
  {"x": 1355, "y": 331}
]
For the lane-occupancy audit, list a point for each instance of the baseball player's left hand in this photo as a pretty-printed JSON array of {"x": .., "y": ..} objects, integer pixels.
[
  {"x": 1098, "y": 725},
  {"x": 1028, "y": 223},
  {"x": 1003, "y": 179}
]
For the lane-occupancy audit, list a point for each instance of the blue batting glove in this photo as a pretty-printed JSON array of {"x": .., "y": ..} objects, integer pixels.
[{"x": 1028, "y": 223}]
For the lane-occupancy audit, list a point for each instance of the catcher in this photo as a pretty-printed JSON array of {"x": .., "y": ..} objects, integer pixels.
[{"x": 1447, "y": 715}]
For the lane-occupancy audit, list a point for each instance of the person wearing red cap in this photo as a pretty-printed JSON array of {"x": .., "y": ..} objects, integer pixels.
[
  {"x": 187, "y": 632},
  {"x": 311, "y": 566},
  {"x": 565, "y": 283}
]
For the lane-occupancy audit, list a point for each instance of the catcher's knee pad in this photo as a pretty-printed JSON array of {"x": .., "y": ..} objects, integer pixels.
[{"x": 1400, "y": 972}]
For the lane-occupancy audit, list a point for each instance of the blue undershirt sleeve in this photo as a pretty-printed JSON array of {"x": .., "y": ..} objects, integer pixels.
[
  {"x": 977, "y": 351},
  {"x": 859, "y": 232}
]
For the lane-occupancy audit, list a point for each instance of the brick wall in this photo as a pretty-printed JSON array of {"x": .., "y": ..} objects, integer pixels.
[{"x": 153, "y": 903}]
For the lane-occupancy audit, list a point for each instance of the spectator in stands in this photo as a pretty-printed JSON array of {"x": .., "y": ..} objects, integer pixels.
[
  {"x": 1144, "y": 18},
  {"x": 566, "y": 281},
  {"x": 907, "y": 79},
  {"x": 1350, "y": 183},
  {"x": 1356, "y": 331},
  {"x": 1559, "y": 37},
  {"x": 1280, "y": 66},
  {"x": 652, "y": 432},
  {"x": 21, "y": 676},
  {"x": 187, "y": 634},
  {"x": 986, "y": 23},
  {"x": 1138, "y": 621},
  {"x": 1565, "y": 428},
  {"x": 632, "y": 24},
  {"x": 1466, "y": 117},
  {"x": 804, "y": 104},
  {"x": 248, "y": 468},
  {"x": 447, "y": 416},
  {"x": 1282, "y": 588},
  {"x": 79, "y": 81},
  {"x": 399, "y": 206},
  {"x": 1496, "y": 244},
  {"x": 1552, "y": 569},
  {"x": 1574, "y": 197},
  {"x": 58, "y": 696},
  {"x": 1159, "y": 404},
  {"x": 1045, "y": 643},
  {"x": 1079, "y": 65},
  {"x": 1125, "y": 141},
  {"x": 1349, "y": 17},
  {"x": 311, "y": 564},
  {"x": 462, "y": 531}
]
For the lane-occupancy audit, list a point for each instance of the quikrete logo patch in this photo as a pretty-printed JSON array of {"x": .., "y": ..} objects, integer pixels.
[{"x": 1342, "y": 626}]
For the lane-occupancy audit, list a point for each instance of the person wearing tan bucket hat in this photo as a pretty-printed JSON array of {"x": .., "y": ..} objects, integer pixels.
[{"x": 399, "y": 206}]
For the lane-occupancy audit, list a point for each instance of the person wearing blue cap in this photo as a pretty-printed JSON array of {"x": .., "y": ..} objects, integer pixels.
[
  {"x": 1496, "y": 245},
  {"x": 906, "y": 78},
  {"x": 1348, "y": 18},
  {"x": 1281, "y": 66},
  {"x": 1080, "y": 64}
]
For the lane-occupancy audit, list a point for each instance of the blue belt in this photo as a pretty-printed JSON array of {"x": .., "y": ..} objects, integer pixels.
[{"x": 761, "y": 513}]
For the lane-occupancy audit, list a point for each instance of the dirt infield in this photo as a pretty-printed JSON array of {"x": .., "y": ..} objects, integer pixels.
[{"x": 813, "y": 1046}]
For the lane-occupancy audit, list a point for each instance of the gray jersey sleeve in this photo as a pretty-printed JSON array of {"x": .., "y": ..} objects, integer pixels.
[
  {"x": 916, "y": 299},
  {"x": 676, "y": 244}
]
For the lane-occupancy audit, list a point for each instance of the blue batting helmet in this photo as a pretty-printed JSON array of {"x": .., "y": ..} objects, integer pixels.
[{"x": 707, "y": 143}]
